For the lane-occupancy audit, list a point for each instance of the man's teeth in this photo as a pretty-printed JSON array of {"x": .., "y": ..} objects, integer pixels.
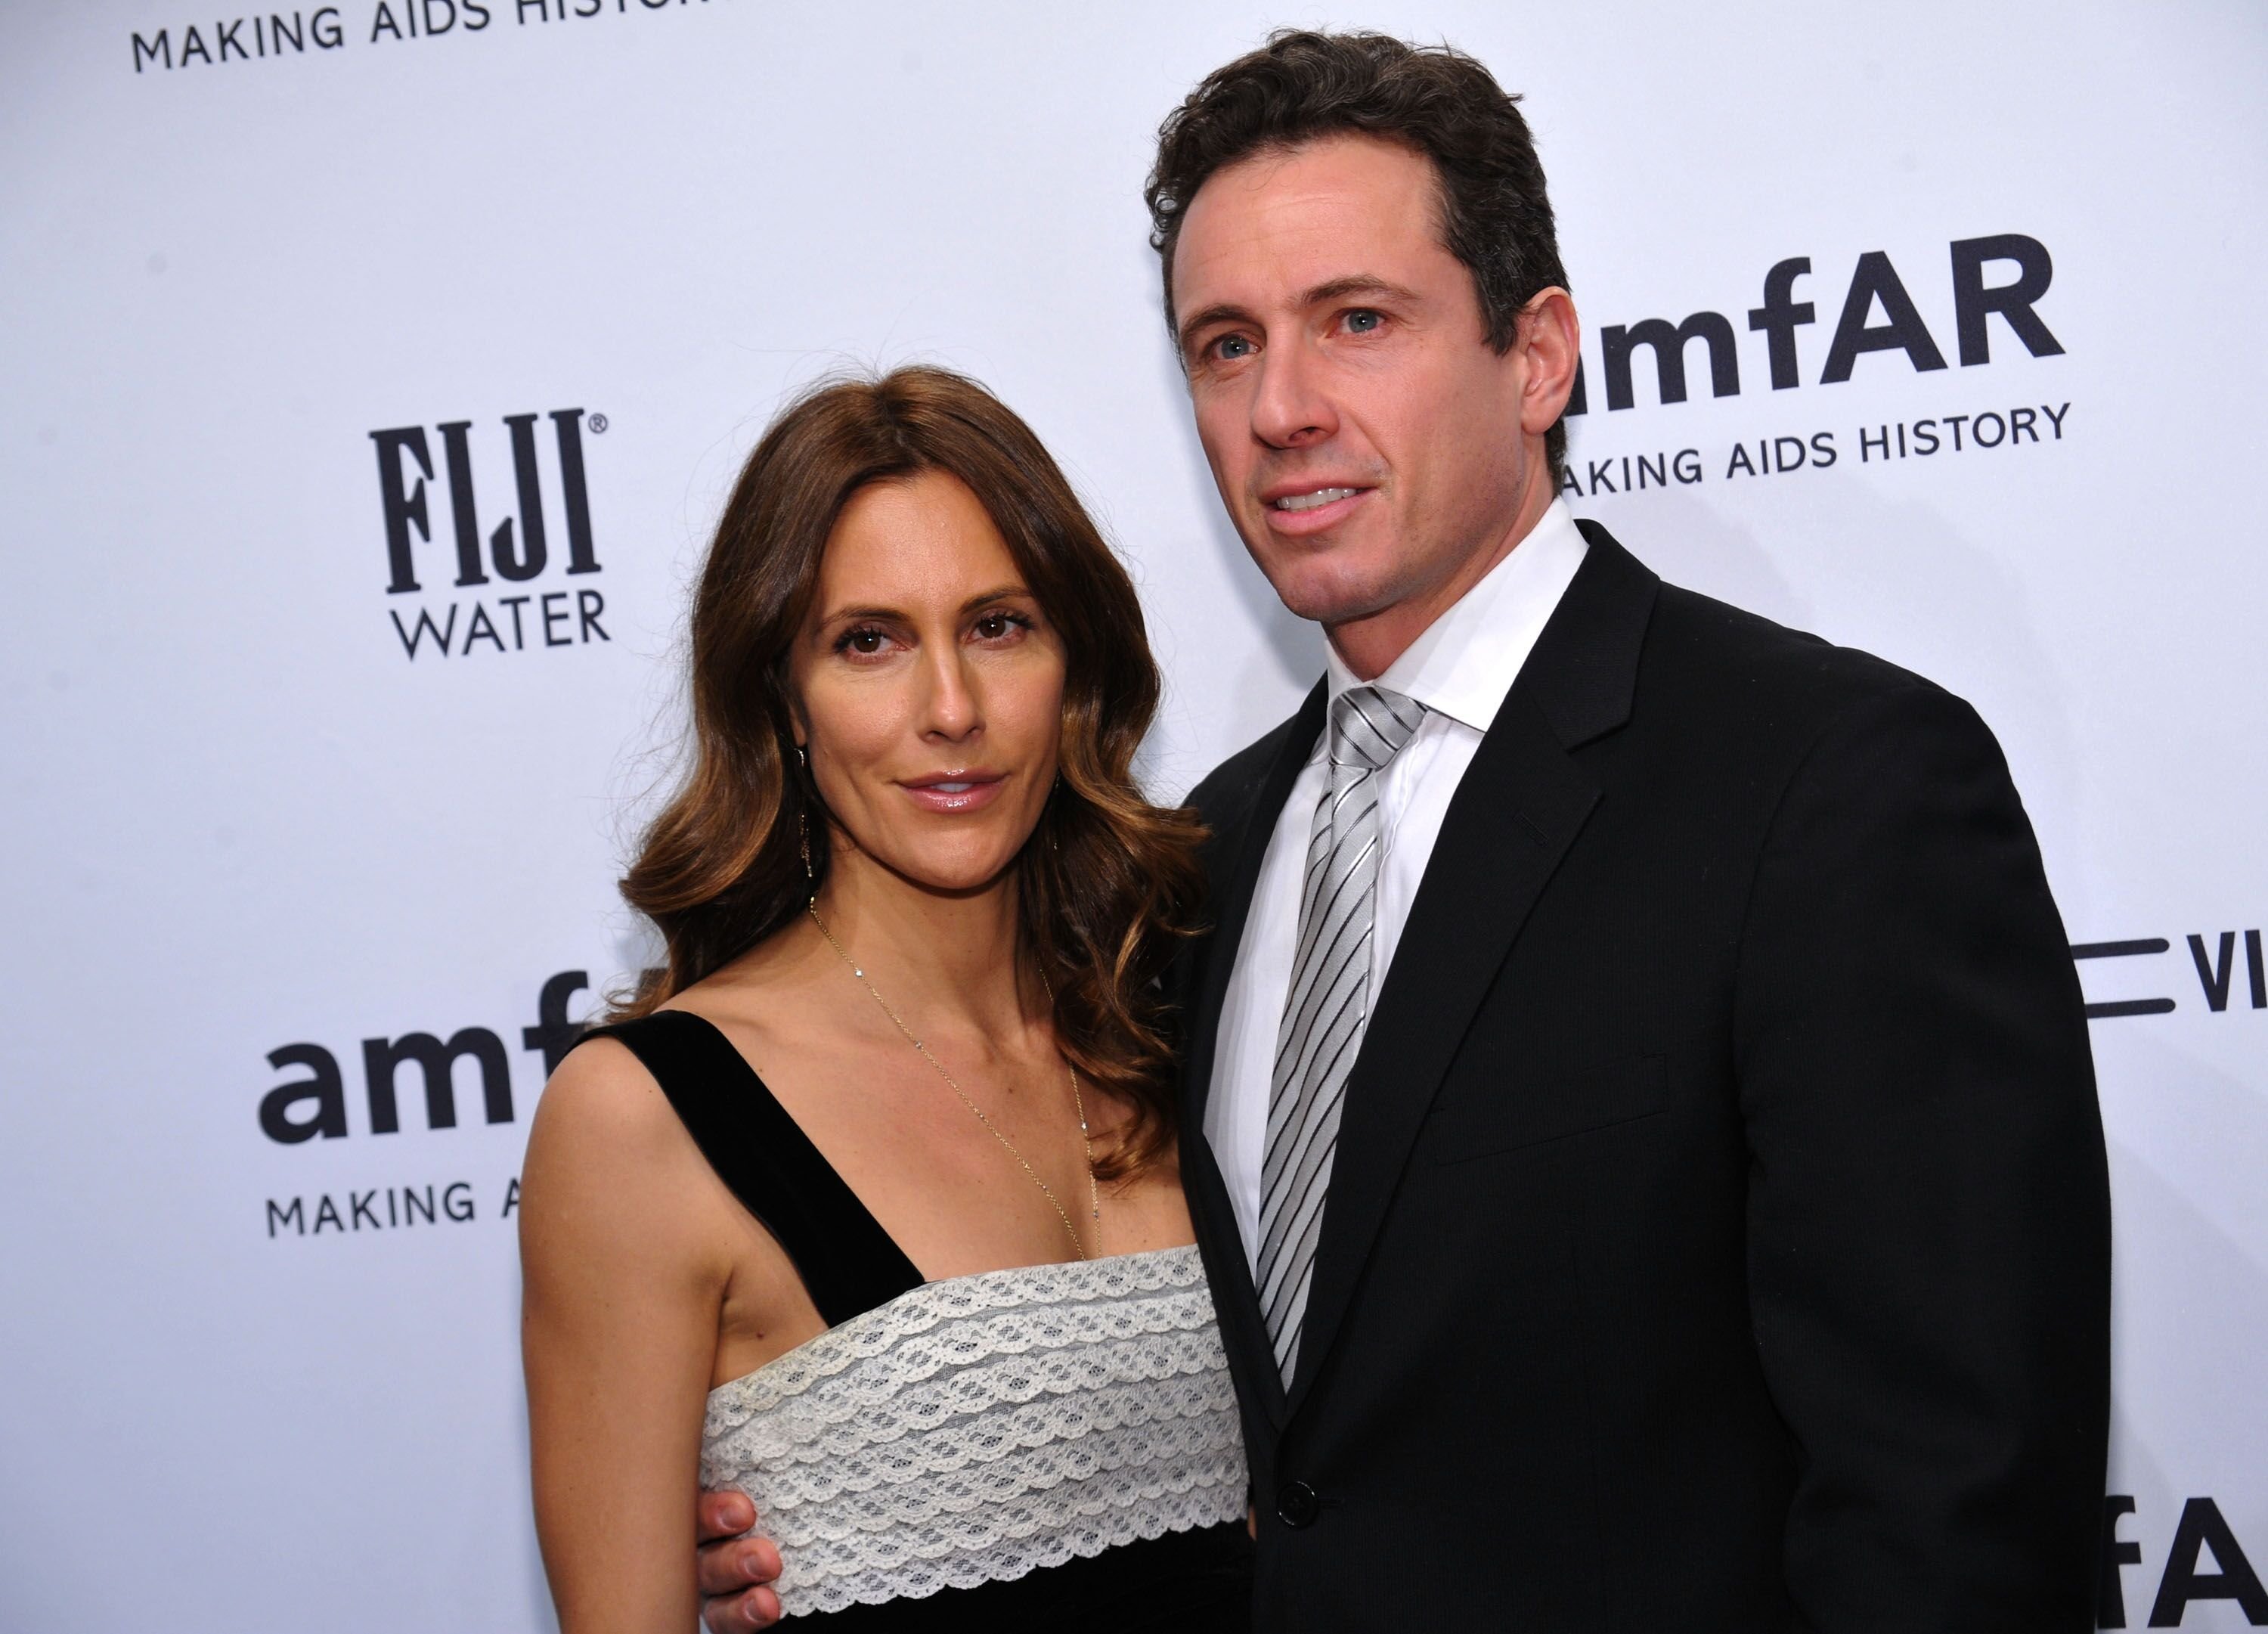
[{"x": 1308, "y": 502}]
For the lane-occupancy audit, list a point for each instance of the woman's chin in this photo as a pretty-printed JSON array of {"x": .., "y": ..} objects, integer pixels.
[{"x": 960, "y": 874}]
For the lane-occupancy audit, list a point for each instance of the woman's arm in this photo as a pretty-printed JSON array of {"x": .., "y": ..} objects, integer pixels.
[{"x": 623, "y": 1272}]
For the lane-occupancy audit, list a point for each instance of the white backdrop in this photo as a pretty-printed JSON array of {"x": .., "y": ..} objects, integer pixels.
[{"x": 248, "y": 1383}]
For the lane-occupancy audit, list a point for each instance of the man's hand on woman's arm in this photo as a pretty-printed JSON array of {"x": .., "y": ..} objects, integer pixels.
[{"x": 736, "y": 1570}]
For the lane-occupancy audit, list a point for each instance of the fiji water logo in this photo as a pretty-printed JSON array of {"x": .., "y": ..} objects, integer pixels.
[{"x": 518, "y": 550}]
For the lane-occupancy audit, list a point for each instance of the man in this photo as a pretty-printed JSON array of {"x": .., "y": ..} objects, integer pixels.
[{"x": 1639, "y": 1120}]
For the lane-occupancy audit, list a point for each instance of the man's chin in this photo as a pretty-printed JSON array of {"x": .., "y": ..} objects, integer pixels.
[
  {"x": 1330, "y": 599},
  {"x": 1328, "y": 578}
]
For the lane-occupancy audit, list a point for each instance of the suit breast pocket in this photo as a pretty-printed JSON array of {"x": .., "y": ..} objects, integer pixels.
[{"x": 1485, "y": 1119}]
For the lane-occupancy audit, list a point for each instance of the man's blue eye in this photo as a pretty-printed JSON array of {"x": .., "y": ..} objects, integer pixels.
[
  {"x": 1362, "y": 323},
  {"x": 1234, "y": 346}
]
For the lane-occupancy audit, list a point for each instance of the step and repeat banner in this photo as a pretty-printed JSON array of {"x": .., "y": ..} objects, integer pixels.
[{"x": 374, "y": 371}]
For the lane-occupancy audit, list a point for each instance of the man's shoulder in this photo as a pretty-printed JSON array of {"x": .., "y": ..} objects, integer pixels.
[
  {"x": 1704, "y": 668},
  {"x": 1742, "y": 667}
]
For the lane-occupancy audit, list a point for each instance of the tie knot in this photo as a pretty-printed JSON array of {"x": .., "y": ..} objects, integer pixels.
[{"x": 1370, "y": 726}]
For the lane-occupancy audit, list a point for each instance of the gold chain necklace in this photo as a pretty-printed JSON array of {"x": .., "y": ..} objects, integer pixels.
[{"x": 1093, "y": 1191}]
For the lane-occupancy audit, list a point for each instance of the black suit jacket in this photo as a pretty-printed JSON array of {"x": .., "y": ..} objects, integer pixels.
[{"x": 1718, "y": 1236}]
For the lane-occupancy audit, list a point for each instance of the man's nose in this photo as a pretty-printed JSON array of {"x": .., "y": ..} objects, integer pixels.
[{"x": 1290, "y": 406}]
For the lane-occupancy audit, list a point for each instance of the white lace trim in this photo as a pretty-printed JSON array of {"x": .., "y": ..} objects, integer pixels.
[{"x": 975, "y": 1430}]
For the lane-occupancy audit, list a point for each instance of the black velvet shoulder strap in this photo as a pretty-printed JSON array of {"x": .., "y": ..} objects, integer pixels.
[{"x": 848, "y": 1262}]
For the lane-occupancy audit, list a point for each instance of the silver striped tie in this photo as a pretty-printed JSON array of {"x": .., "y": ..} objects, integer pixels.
[{"x": 1326, "y": 1004}]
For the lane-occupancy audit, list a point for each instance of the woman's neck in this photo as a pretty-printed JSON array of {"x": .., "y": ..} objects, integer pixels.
[{"x": 948, "y": 958}]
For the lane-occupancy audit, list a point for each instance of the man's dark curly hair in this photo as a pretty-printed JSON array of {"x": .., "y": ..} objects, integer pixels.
[{"x": 1495, "y": 217}]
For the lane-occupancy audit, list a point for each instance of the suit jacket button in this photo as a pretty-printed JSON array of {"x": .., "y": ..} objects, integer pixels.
[{"x": 1297, "y": 1504}]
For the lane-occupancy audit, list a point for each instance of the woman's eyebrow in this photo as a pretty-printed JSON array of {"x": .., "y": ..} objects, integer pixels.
[{"x": 1002, "y": 593}]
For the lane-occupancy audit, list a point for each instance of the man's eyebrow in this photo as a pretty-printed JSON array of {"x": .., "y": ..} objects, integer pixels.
[
  {"x": 1355, "y": 284},
  {"x": 1220, "y": 312}
]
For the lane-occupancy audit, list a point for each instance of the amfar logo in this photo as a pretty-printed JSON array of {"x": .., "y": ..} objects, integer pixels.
[
  {"x": 315, "y": 1106},
  {"x": 517, "y": 549},
  {"x": 2202, "y": 1537},
  {"x": 1875, "y": 285}
]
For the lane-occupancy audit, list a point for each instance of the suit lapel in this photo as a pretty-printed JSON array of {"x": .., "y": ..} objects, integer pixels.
[
  {"x": 1233, "y": 866},
  {"x": 1519, "y": 805}
]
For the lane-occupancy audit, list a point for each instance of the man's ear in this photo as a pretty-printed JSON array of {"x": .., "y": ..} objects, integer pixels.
[{"x": 1550, "y": 343}]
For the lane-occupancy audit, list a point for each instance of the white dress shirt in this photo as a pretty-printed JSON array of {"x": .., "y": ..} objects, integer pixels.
[{"x": 1460, "y": 669}]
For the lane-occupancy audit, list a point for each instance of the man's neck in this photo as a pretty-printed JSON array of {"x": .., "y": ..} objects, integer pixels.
[{"x": 1368, "y": 646}]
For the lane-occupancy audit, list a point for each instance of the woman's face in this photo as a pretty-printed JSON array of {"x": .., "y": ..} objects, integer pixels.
[{"x": 928, "y": 685}]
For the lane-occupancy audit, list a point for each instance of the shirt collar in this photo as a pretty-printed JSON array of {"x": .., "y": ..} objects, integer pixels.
[{"x": 1465, "y": 662}]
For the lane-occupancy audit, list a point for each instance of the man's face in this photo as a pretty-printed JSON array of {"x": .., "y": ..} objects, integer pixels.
[{"x": 1367, "y": 439}]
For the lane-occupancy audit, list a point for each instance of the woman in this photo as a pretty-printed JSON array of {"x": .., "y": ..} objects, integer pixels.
[{"x": 867, "y": 1203}]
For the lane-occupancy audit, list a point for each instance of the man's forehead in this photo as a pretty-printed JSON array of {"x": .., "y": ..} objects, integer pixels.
[{"x": 1283, "y": 222}]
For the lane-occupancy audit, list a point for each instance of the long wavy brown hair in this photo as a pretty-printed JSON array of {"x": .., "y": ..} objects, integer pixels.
[{"x": 1105, "y": 883}]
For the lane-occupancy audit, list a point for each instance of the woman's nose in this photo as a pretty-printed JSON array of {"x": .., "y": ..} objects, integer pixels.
[{"x": 952, "y": 710}]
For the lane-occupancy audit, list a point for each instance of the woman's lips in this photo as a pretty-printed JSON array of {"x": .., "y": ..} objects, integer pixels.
[{"x": 971, "y": 792}]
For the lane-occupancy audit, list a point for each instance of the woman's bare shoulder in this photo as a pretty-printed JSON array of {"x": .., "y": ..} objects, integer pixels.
[
  {"x": 614, "y": 1190},
  {"x": 602, "y": 1091},
  {"x": 607, "y": 1144}
]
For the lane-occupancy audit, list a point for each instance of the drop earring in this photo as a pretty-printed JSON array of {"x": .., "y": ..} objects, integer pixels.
[{"x": 803, "y": 850}]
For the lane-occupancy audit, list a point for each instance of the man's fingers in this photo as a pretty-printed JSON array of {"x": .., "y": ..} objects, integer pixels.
[
  {"x": 758, "y": 1608},
  {"x": 738, "y": 1564},
  {"x": 724, "y": 1514},
  {"x": 733, "y": 1568}
]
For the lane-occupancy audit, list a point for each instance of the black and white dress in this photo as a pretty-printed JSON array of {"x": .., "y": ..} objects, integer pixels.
[{"x": 986, "y": 1451}]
